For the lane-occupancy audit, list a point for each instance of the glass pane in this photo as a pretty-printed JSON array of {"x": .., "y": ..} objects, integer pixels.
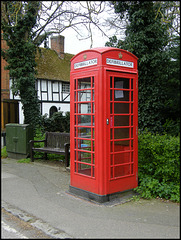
[
  {"x": 84, "y": 95},
  {"x": 55, "y": 96},
  {"x": 120, "y": 95},
  {"x": 93, "y": 133},
  {"x": 44, "y": 96},
  {"x": 84, "y": 108},
  {"x": 93, "y": 159},
  {"x": 120, "y": 146},
  {"x": 131, "y": 168},
  {"x": 110, "y": 82},
  {"x": 125, "y": 81},
  {"x": 124, "y": 143},
  {"x": 93, "y": 147},
  {"x": 93, "y": 120},
  {"x": 92, "y": 82},
  {"x": 84, "y": 83},
  {"x": 84, "y": 145},
  {"x": 75, "y": 81},
  {"x": 55, "y": 86},
  {"x": 120, "y": 133},
  {"x": 84, "y": 169},
  {"x": 84, "y": 132},
  {"x": 120, "y": 171},
  {"x": 131, "y": 156},
  {"x": 111, "y": 146},
  {"x": 75, "y": 96},
  {"x": 132, "y": 96},
  {"x": 93, "y": 172},
  {"x": 121, "y": 107},
  {"x": 92, "y": 108},
  {"x": 111, "y": 108},
  {"x": 110, "y": 95},
  {"x": 92, "y": 95},
  {"x": 131, "y": 120},
  {"x": 43, "y": 85},
  {"x": 112, "y": 173},
  {"x": 75, "y": 107},
  {"x": 121, "y": 158},
  {"x": 121, "y": 120},
  {"x": 111, "y": 133},
  {"x": 121, "y": 83},
  {"x": 75, "y": 118},
  {"x": 85, "y": 157},
  {"x": 84, "y": 120}
]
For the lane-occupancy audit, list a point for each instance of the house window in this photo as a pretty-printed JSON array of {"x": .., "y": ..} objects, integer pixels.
[
  {"x": 55, "y": 91},
  {"x": 65, "y": 88},
  {"x": 44, "y": 90}
]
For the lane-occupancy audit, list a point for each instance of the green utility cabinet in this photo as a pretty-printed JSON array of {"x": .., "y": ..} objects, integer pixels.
[{"x": 17, "y": 140}]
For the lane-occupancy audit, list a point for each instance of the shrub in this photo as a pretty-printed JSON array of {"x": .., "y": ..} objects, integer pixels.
[
  {"x": 4, "y": 152},
  {"x": 158, "y": 166},
  {"x": 56, "y": 123},
  {"x": 172, "y": 127}
]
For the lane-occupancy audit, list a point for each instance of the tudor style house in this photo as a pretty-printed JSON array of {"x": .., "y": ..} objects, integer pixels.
[{"x": 52, "y": 84}]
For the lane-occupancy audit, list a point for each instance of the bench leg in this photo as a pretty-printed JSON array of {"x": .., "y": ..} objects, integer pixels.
[
  {"x": 31, "y": 152},
  {"x": 66, "y": 160},
  {"x": 67, "y": 156},
  {"x": 32, "y": 155},
  {"x": 46, "y": 156}
]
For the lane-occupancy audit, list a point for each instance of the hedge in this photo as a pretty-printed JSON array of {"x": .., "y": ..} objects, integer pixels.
[{"x": 158, "y": 166}]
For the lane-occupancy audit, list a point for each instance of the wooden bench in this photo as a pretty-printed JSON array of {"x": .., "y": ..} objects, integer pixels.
[{"x": 54, "y": 142}]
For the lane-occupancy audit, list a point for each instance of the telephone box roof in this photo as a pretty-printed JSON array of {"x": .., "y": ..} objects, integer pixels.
[{"x": 102, "y": 50}]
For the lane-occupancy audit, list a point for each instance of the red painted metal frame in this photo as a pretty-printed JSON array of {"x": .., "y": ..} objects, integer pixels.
[{"x": 101, "y": 178}]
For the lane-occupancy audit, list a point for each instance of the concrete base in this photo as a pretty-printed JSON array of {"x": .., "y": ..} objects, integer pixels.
[{"x": 119, "y": 196}]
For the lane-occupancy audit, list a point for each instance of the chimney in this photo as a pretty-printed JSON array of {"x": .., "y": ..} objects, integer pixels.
[{"x": 57, "y": 44}]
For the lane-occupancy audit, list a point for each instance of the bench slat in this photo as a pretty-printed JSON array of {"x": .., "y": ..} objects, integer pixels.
[{"x": 51, "y": 150}]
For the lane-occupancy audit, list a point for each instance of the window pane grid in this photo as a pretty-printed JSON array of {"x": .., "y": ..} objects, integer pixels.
[
  {"x": 84, "y": 126},
  {"x": 121, "y": 127}
]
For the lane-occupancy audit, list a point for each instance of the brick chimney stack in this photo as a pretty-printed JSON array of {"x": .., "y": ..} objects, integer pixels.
[{"x": 57, "y": 44}]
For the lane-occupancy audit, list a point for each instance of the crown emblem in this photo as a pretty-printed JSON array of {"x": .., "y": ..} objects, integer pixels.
[{"x": 120, "y": 55}]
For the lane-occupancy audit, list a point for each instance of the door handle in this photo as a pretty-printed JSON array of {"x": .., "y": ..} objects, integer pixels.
[{"x": 107, "y": 121}]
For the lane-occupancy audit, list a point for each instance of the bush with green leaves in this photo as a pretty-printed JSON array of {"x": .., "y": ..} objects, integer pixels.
[
  {"x": 4, "y": 152},
  {"x": 56, "y": 123},
  {"x": 158, "y": 166}
]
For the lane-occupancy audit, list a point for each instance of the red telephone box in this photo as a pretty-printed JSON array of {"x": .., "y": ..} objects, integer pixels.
[{"x": 103, "y": 123}]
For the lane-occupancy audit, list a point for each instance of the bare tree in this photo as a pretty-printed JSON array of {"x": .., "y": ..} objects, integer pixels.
[
  {"x": 170, "y": 15},
  {"x": 54, "y": 17}
]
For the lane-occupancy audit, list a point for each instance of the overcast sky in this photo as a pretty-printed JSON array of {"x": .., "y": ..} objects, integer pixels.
[{"x": 73, "y": 45}]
